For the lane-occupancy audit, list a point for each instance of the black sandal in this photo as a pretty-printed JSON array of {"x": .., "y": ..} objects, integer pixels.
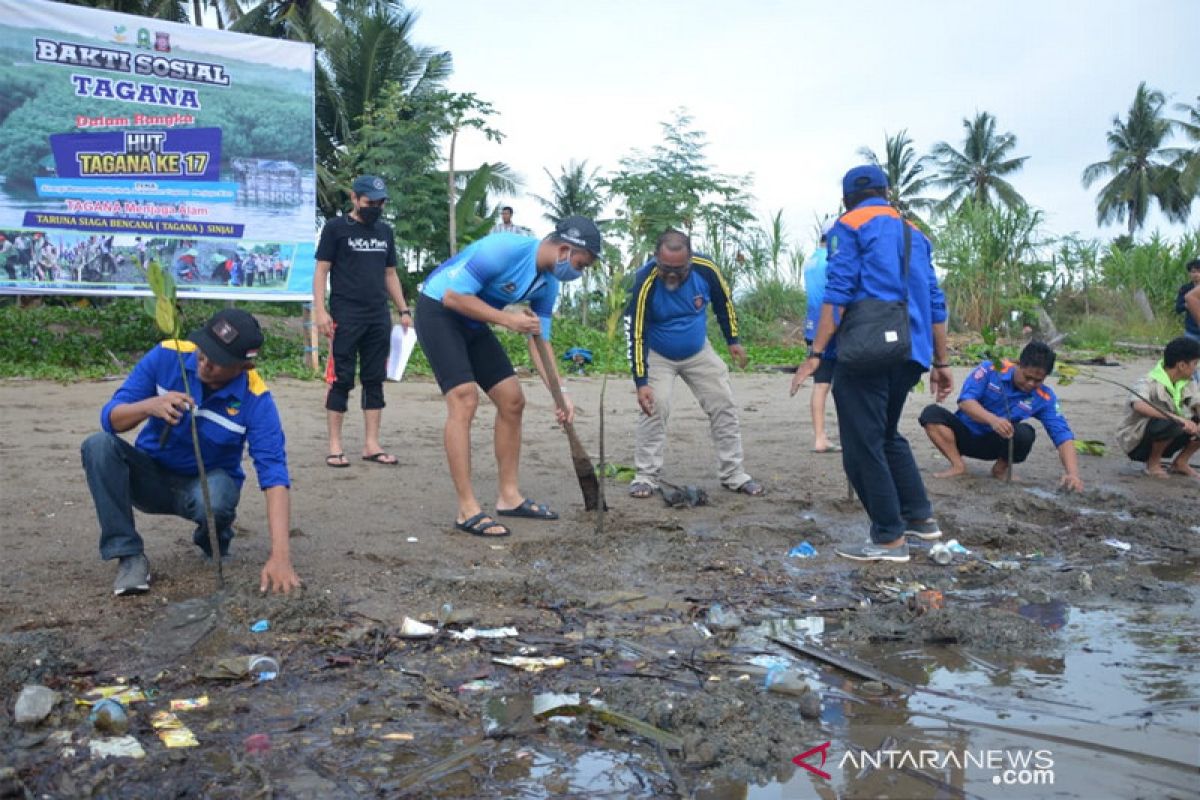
[{"x": 479, "y": 524}]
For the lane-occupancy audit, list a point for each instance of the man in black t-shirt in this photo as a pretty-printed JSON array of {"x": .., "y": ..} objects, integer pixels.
[{"x": 357, "y": 253}]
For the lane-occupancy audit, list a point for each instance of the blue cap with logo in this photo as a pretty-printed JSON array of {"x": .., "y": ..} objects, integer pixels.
[
  {"x": 581, "y": 232},
  {"x": 370, "y": 187},
  {"x": 868, "y": 176}
]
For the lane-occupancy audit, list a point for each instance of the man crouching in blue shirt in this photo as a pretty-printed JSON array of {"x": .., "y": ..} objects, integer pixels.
[
  {"x": 993, "y": 402},
  {"x": 158, "y": 474},
  {"x": 666, "y": 324}
]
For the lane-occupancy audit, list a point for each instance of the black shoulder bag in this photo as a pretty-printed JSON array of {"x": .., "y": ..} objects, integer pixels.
[{"x": 874, "y": 333}]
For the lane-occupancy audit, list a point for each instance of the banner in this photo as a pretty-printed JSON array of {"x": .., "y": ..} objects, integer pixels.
[{"x": 127, "y": 139}]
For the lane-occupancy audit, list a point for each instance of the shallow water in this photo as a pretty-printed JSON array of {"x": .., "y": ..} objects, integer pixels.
[{"x": 1139, "y": 664}]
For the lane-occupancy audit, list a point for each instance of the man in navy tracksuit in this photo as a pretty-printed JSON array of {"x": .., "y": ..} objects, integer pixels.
[
  {"x": 867, "y": 262},
  {"x": 666, "y": 322},
  {"x": 995, "y": 401}
]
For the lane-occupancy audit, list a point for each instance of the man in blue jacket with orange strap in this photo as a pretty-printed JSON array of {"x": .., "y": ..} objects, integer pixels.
[
  {"x": 867, "y": 263},
  {"x": 994, "y": 401}
]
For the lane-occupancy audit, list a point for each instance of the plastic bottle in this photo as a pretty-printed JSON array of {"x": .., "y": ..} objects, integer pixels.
[
  {"x": 262, "y": 668},
  {"x": 941, "y": 554}
]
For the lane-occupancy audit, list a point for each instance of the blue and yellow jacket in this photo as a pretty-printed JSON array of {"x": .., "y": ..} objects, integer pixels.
[
  {"x": 240, "y": 412},
  {"x": 674, "y": 323},
  {"x": 992, "y": 387},
  {"x": 867, "y": 263}
]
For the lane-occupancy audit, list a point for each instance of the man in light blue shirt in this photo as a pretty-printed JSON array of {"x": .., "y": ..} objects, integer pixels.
[
  {"x": 814, "y": 292},
  {"x": 458, "y": 301}
]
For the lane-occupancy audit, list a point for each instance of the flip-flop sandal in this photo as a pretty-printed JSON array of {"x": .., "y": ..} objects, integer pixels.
[
  {"x": 529, "y": 510},
  {"x": 336, "y": 460},
  {"x": 479, "y": 524},
  {"x": 751, "y": 488},
  {"x": 382, "y": 458},
  {"x": 641, "y": 490},
  {"x": 833, "y": 448}
]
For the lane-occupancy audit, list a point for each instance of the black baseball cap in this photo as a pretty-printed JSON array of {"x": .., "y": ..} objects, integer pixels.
[
  {"x": 230, "y": 338},
  {"x": 370, "y": 187},
  {"x": 581, "y": 232}
]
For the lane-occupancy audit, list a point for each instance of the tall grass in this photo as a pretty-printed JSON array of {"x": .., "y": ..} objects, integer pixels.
[
  {"x": 1155, "y": 267},
  {"x": 993, "y": 264}
]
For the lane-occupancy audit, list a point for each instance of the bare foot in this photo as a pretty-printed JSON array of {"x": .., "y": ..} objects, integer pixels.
[
  {"x": 1000, "y": 469},
  {"x": 1156, "y": 472},
  {"x": 953, "y": 472},
  {"x": 1183, "y": 469}
]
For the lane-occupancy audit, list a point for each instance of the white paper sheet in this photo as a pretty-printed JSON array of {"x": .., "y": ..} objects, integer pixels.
[{"x": 403, "y": 343}]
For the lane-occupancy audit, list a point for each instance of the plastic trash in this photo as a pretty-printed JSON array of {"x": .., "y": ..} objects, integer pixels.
[
  {"x": 954, "y": 547},
  {"x": 34, "y": 704},
  {"x": 484, "y": 633},
  {"x": 192, "y": 703},
  {"x": 1124, "y": 547},
  {"x": 721, "y": 619},
  {"x": 926, "y": 600},
  {"x": 532, "y": 664},
  {"x": 257, "y": 743},
  {"x": 109, "y": 717},
  {"x": 237, "y": 667},
  {"x": 263, "y": 668},
  {"x": 475, "y": 686},
  {"x": 941, "y": 554},
  {"x": 262, "y": 626},
  {"x": 172, "y": 732},
  {"x": 782, "y": 680},
  {"x": 116, "y": 747},
  {"x": 803, "y": 550},
  {"x": 126, "y": 694},
  {"x": 415, "y": 629}
]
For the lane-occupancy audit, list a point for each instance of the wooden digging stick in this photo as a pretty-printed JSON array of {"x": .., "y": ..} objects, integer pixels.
[{"x": 584, "y": 471}]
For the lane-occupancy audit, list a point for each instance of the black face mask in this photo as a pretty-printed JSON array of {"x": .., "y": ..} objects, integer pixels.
[{"x": 369, "y": 214}]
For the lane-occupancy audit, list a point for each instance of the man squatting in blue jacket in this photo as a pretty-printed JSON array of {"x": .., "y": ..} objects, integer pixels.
[{"x": 994, "y": 401}]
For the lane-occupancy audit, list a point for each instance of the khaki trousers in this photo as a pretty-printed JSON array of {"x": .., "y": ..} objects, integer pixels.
[{"x": 708, "y": 378}]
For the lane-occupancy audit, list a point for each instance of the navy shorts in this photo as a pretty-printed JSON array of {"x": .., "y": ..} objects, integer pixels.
[
  {"x": 824, "y": 373},
  {"x": 459, "y": 353}
]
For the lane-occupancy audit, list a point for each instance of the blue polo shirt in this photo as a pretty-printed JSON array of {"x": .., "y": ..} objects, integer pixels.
[
  {"x": 990, "y": 385},
  {"x": 239, "y": 413},
  {"x": 500, "y": 270},
  {"x": 867, "y": 263},
  {"x": 674, "y": 324},
  {"x": 814, "y": 290}
]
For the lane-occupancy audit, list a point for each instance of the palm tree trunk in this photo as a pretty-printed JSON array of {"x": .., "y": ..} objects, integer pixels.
[
  {"x": 450, "y": 193},
  {"x": 197, "y": 13}
]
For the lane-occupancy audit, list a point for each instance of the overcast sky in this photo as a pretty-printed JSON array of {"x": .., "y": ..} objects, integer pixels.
[{"x": 789, "y": 91}]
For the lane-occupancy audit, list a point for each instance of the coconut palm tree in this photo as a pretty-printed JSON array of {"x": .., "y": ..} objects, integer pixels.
[
  {"x": 574, "y": 191},
  {"x": 299, "y": 20},
  {"x": 1139, "y": 167},
  {"x": 980, "y": 169},
  {"x": 363, "y": 46},
  {"x": 1189, "y": 161},
  {"x": 906, "y": 172},
  {"x": 172, "y": 10}
]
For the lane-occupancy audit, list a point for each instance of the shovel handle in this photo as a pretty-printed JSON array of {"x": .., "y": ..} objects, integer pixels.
[{"x": 555, "y": 389}]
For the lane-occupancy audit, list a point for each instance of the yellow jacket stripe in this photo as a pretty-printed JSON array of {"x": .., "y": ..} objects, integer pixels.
[
  {"x": 733, "y": 326},
  {"x": 639, "y": 325}
]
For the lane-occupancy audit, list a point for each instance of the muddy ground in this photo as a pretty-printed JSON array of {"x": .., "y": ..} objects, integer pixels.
[{"x": 640, "y": 613}]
